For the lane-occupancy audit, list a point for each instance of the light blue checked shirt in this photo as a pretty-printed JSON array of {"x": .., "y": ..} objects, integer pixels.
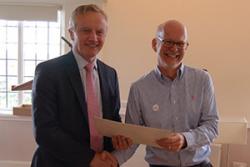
[{"x": 186, "y": 105}]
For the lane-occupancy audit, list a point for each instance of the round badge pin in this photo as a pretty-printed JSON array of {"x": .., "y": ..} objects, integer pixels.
[{"x": 155, "y": 107}]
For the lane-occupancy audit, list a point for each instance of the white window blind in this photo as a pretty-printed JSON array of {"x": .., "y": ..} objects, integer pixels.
[{"x": 29, "y": 12}]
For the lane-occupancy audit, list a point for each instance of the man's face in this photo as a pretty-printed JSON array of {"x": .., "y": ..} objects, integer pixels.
[
  {"x": 89, "y": 34},
  {"x": 171, "y": 46}
]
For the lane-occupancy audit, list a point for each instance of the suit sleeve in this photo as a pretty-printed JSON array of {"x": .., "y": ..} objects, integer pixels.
[{"x": 48, "y": 133}]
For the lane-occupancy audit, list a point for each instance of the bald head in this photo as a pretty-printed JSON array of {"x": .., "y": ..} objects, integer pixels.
[{"x": 172, "y": 28}]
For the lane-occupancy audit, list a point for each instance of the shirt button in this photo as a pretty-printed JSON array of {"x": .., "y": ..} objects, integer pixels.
[
  {"x": 176, "y": 118},
  {"x": 174, "y": 101}
]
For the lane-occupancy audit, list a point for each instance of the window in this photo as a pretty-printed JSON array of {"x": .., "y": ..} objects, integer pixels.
[{"x": 23, "y": 45}]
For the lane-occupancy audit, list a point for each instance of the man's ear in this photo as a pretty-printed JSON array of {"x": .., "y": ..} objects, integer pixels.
[
  {"x": 154, "y": 45},
  {"x": 186, "y": 47},
  {"x": 71, "y": 33}
]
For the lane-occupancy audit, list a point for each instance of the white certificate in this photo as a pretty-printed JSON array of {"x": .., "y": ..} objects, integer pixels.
[{"x": 139, "y": 134}]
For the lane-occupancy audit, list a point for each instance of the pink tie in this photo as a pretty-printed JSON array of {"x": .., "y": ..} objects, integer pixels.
[{"x": 93, "y": 108}]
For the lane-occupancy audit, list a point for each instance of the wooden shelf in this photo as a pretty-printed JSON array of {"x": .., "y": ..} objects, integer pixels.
[{"x": 23, "y": 86}]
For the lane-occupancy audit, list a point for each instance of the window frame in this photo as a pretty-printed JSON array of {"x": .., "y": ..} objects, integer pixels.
[{"x": 7, "y": 109}]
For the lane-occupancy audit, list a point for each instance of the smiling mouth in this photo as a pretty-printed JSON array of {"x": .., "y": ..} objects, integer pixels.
[
  {"x": 92, "y": 46},
  {"x": 172, "y": 55}
]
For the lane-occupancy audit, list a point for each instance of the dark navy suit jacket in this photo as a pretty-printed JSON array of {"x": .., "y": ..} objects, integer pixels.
[{"x": 60, "y": 112}]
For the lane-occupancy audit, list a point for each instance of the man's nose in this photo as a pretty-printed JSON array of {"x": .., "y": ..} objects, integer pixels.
[
  {"x": 174, "y": 47},
  {"x": 93, "y": 36}
]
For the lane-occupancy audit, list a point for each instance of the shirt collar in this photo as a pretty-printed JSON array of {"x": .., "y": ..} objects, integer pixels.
[
  {"x": 179, "y": 73},
  {"x": 81, "y": 62}
]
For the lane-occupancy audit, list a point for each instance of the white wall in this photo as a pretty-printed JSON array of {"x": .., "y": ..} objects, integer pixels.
[
  {"x": 16, "y": 139},
  {"x": 219, "y": 36}
]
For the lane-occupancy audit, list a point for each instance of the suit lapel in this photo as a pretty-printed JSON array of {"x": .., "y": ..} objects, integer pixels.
[
  {"x": 104, "y": 87},
  {"x": 75, "y": 79}
]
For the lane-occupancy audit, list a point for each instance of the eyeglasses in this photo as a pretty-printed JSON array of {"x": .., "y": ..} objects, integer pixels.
[{"x": 170, "y": 43}]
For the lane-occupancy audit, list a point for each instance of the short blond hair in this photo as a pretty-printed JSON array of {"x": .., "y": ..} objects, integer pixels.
[{"x": 83, "y": 9}]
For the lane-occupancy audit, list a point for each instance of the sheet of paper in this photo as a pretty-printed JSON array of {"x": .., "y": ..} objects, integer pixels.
[{"x": 139, "y": 134}]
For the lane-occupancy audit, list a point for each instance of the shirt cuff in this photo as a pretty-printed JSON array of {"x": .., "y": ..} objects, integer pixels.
[
  {"x": 118, "y": 156},
  {"x": 189, "y": 139}
]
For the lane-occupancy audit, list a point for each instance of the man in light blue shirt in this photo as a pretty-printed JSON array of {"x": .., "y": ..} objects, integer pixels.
[{"x": 176, "y": 97}]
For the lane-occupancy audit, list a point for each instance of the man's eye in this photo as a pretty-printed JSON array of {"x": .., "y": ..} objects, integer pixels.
[
  {"x": 100, "y": 32},
  {"x": 180, "y": 43},
  {"x": 169, "y": 42},
  {"x": 84, "y": 30}
]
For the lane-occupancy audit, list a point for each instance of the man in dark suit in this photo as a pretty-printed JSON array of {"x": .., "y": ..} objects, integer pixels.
[{"x": 60, "y": 106}]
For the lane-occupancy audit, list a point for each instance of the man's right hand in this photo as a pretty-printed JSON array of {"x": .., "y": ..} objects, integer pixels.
[
  {"x": 174, "y": 142},
  {"x": 103, "y": 159},
  {"x": 121, "y": 142}
]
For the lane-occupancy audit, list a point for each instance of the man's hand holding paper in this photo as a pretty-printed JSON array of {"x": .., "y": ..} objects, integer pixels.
[
  {"x": 130, "y": 133},
  {"x": 174, "y": 142}
]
